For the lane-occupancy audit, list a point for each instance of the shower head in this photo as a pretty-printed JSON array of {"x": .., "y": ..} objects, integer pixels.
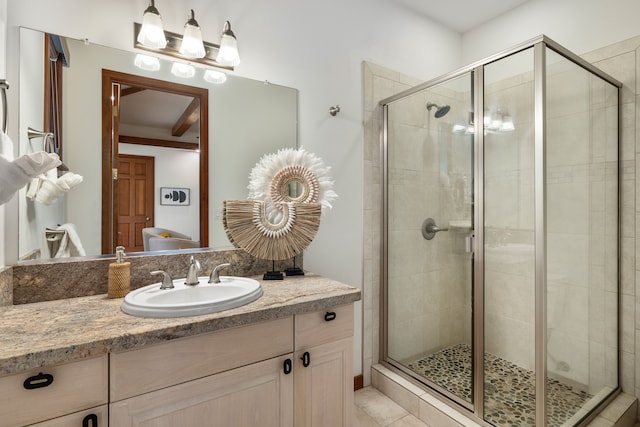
[{"x": 440, "y": 111}]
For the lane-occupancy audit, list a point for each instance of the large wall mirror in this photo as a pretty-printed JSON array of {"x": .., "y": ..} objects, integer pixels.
[{"x": 242, "y": 120}]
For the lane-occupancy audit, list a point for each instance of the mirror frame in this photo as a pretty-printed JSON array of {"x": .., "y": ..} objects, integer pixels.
[{"x": 110, "y": 151}]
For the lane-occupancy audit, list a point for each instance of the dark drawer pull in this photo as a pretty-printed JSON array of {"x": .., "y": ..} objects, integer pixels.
[
  {"x": 329, "y": 316},
  {"x": 38, "y": 381},
  {"x": 287, "y": 366},
  {"x": 90, "y": 420},
  {"x": 306, "y": 359}
]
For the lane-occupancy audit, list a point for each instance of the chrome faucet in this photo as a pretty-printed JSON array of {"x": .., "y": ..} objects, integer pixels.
[
  {"x": 194, "y": 270},
  {"x": 215, "y": 276},
  {"x": 167, "y": 283}
]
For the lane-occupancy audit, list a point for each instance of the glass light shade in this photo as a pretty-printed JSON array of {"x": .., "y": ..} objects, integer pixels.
[
  {"x": 215, "y": 77},
  {"x": 496, "y": 122},
  {"x": 458, "y": 128},
  {"x": 507, "y": 124},
  {"x": 146, "y": 62},
  {"x": 183, "y": 70},
  {"x": 192, "y": 46},
  {"x": 228, "y": 52},
  {"x": 151, "y": 33},
  {"x": 487, "y": 119}
]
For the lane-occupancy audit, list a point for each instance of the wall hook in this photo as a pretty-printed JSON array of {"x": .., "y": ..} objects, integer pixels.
[{"x": 333, "y": 110}]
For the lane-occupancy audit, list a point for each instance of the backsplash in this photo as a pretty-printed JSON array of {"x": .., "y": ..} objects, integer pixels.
[
  {"x": 59, "y": 279},
  {"x": 6, "y": 286}
]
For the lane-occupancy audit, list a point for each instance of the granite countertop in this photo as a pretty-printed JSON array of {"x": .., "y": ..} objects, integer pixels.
[{"x": 53, "y": 332}]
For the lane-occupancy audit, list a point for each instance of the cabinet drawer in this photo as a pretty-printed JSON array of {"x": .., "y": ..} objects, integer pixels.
[
  {"x": 94, "y": 417},
  {"x": 157, "y": 366},
  {"x": 323, "y": 326},
  {"x": 75, "y": 386}
]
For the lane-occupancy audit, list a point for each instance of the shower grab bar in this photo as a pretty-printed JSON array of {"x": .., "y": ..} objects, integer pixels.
[{"x": 429, "y": 229}]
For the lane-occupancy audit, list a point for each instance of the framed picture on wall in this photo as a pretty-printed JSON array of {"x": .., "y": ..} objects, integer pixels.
[{"x": 174, "y": 196}]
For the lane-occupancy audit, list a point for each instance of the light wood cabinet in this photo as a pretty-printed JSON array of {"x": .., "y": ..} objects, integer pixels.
[
  {"x": 260, "y": 394},
  {"x": 162, "y": 365},
  {"x": 324, "y": 388},
  {"x": 323, "y": 368},
  {"x": 311, "y": 386},
  {"x": 53, "y": 391},
  {"x": 295, "y": 371}
]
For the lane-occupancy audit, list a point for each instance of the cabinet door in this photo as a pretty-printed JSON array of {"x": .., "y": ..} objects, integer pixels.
[
  {"x": 324, "y": 387},
  {"x": 260, "y": 394},
  {"x": 95, "y": 417}
]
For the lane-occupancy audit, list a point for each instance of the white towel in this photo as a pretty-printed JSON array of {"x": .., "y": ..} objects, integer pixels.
[
  {"x": 49, "y": 187},
  {"x": 6, "y": 146},
  {"x": 64, "y": 241},
  {"x": 39, "y": 162},
  {"x": 15, "y": 174}
]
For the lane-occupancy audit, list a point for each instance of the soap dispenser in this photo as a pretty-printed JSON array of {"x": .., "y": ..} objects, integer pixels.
[{"x": 119, "y": 275}]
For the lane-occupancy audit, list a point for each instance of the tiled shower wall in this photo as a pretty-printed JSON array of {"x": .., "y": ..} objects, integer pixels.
[
  {"x": 582, "y": 223},
  {"x": 619, "y": 60},
  {"x": 509, "y": 261},
  {"x": 430, "y": 293}
]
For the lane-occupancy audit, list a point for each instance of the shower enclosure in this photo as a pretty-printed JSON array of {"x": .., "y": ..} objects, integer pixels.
[{"x": 500, "y": 248}]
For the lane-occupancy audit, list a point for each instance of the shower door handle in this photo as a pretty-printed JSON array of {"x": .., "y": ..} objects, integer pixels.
[{"x": 468, "y": 244}]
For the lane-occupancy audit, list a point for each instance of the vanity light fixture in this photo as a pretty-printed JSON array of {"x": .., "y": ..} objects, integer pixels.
[
  {"x": 228, "y": 52},
  {"x": 215, "y": 77},
  {"x": 146, "y": 62},
  {"x": 152, "y": 33},
  {"x": 174, "y": 44},
  {"x": 192, "y": 45},
  {"x": 185, "y": 71},
  {"x": 496, "y": 122}
]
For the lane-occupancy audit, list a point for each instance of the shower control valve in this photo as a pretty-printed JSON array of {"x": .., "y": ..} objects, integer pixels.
[{"x": 429, "y": 229}]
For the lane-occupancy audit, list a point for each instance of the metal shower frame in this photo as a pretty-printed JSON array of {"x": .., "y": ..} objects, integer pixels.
[{"x": 476, "y": 69}]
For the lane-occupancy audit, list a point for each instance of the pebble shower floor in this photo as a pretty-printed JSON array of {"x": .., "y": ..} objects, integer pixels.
[{"x": 509, "y": 389}]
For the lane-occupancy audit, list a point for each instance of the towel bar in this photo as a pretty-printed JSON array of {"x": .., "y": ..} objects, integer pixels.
[{"x": 4, "y": 85}]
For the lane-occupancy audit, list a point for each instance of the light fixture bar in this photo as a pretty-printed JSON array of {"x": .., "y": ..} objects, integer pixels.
[{"x": 172, "y": 49}]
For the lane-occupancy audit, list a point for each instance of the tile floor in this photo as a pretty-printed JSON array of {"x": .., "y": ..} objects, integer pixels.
[{"x": 374, "y": 409}]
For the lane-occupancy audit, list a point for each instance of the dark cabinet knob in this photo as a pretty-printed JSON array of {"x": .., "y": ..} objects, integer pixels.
[
  {"x": 287, "y": 366},
  {"x": 90, "y": 420},
  {"x": 38, "y": 381},
  {"x": 306, "y": 359},
  {"x": 329, "y": 316}
]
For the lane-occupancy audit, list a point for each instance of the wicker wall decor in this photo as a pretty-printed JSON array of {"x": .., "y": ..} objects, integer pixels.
[
  {"x": 288, "y": 192},
  {"x": 248, "y": 228}
]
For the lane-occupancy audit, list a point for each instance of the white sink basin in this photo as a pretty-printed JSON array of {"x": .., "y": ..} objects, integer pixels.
[{"x": 184, "y": 300}]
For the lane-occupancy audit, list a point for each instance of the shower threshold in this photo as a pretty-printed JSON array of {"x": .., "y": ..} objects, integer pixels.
[{"x": 509, "y": 388}]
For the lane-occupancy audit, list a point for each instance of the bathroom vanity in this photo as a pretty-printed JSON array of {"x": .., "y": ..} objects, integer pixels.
[{"x": 283, "y": 360}]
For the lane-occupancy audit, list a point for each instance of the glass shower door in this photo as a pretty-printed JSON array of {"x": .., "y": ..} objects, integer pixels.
[{"x": 429, "y": 225}]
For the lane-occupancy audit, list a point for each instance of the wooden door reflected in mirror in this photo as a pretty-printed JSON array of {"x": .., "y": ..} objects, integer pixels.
[{"x": 136, "y": 197}]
